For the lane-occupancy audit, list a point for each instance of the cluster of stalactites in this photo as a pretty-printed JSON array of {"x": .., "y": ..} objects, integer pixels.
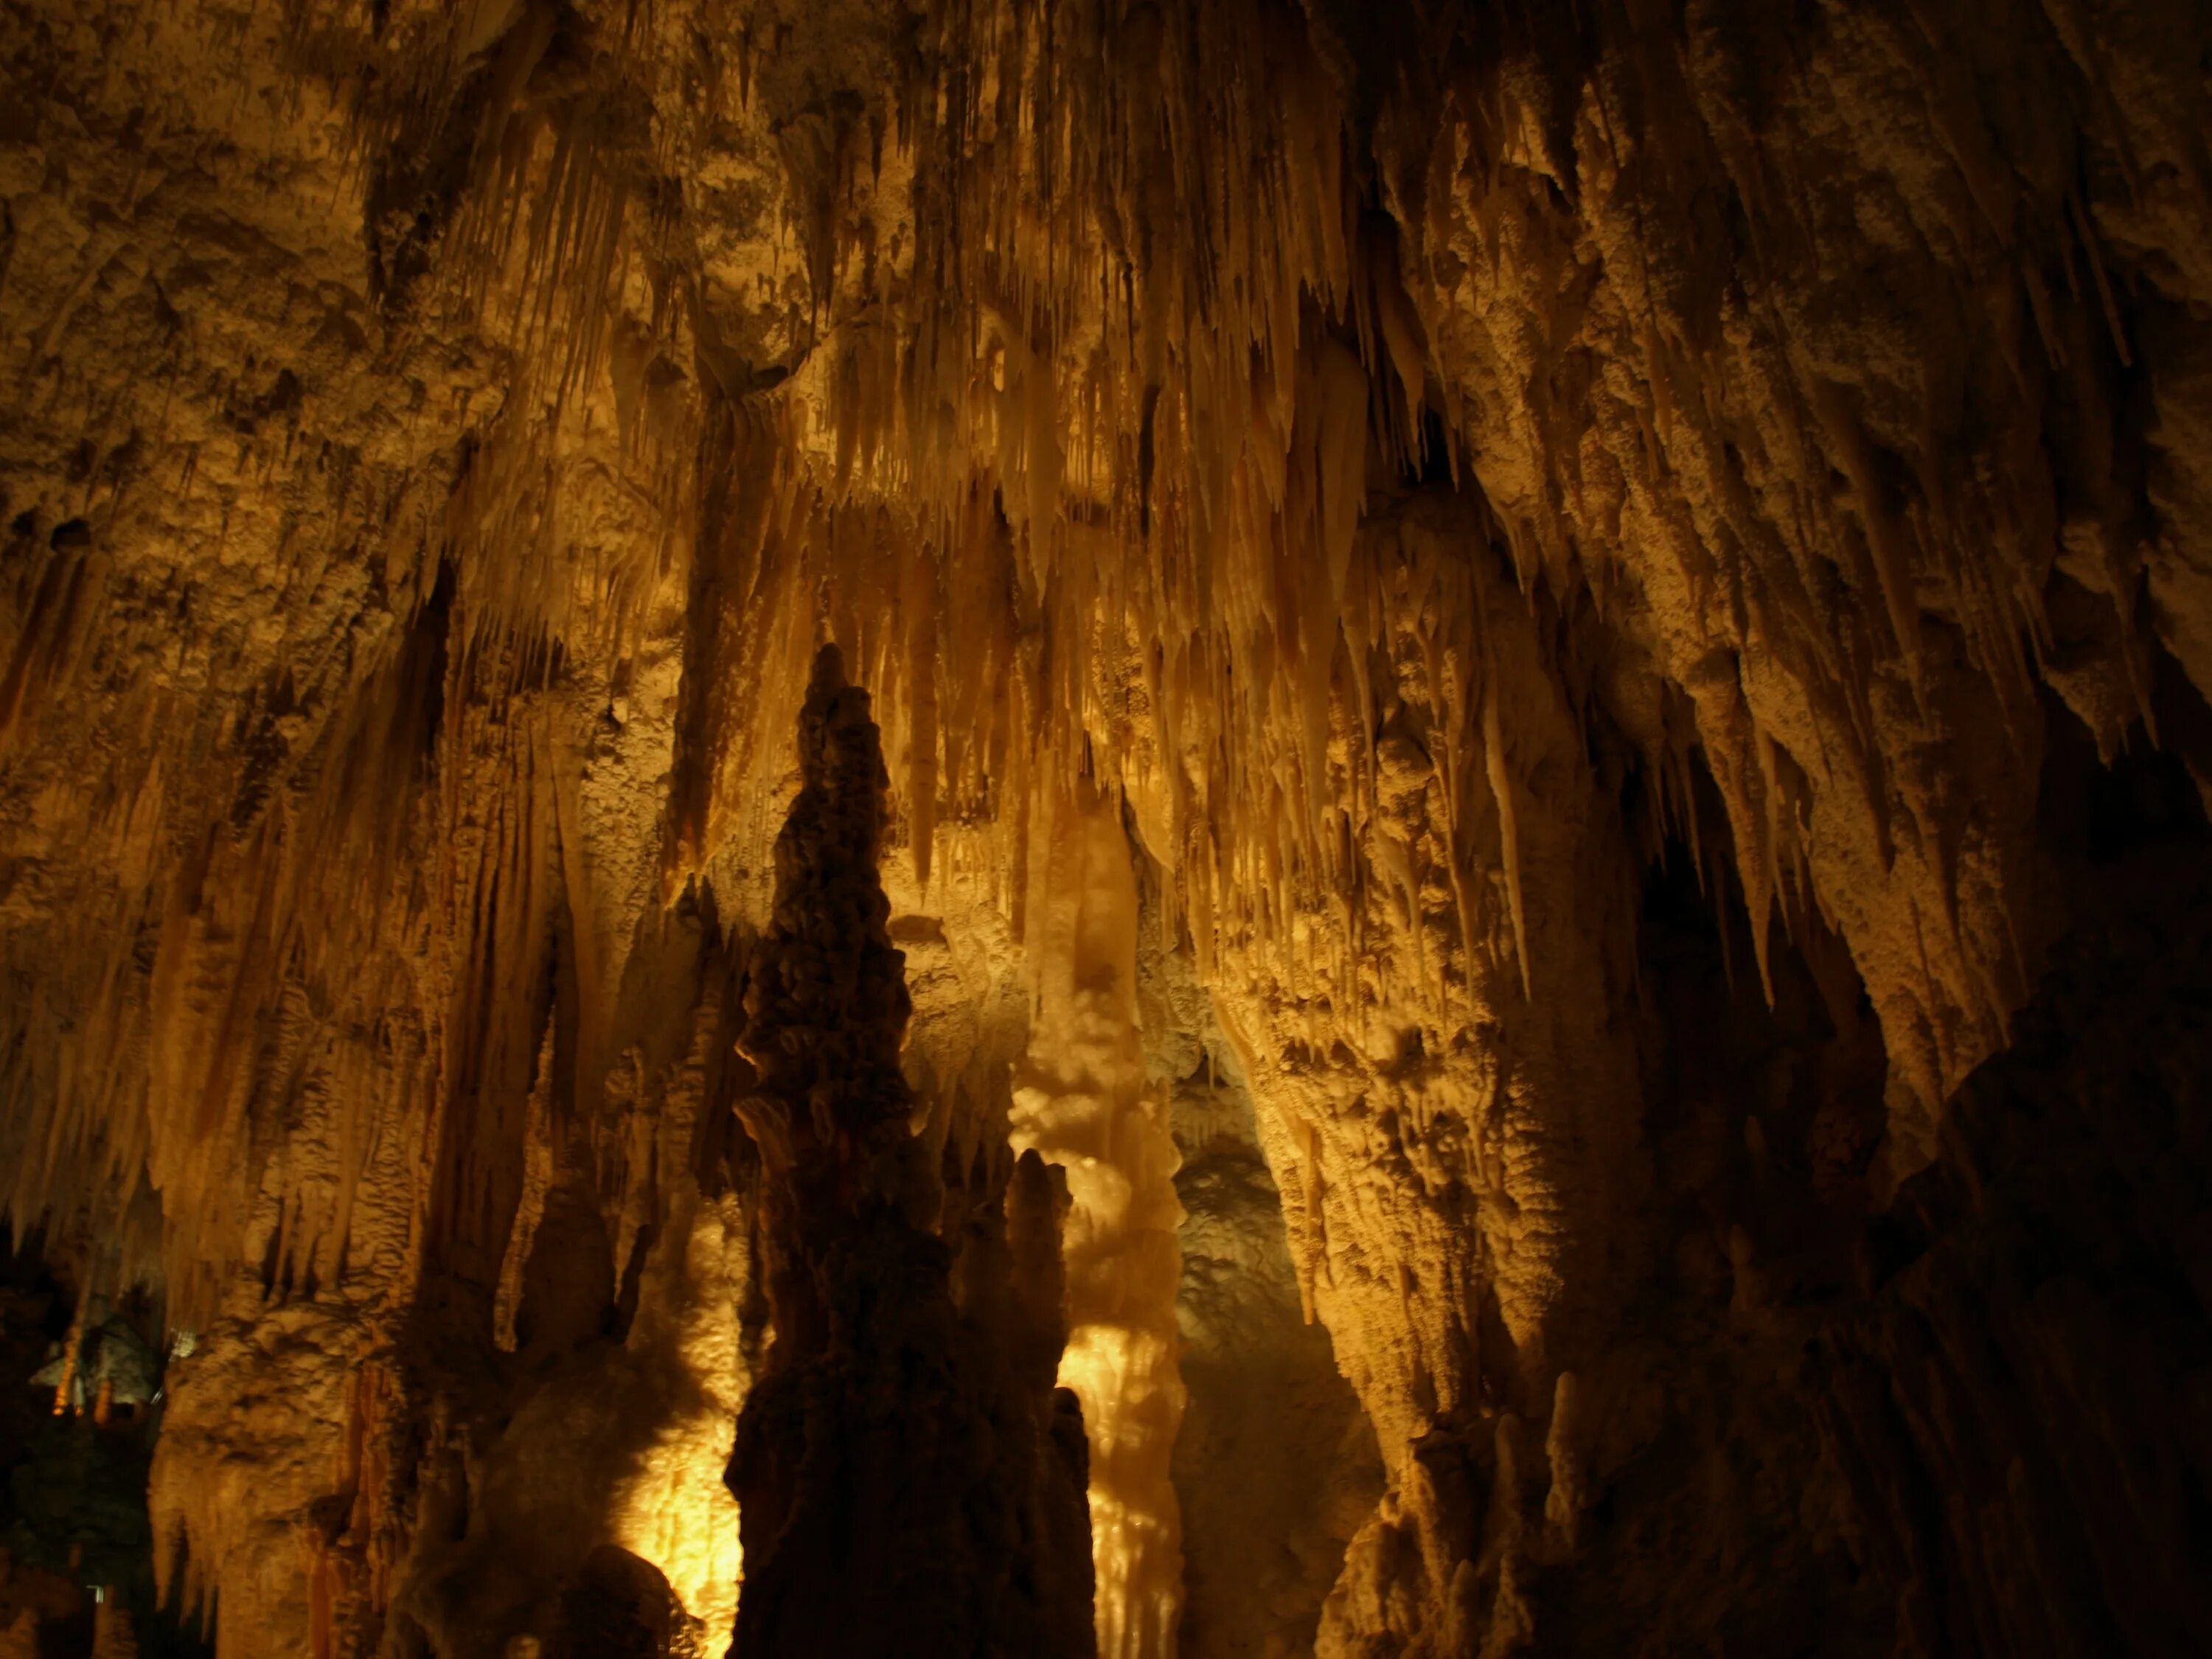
[
  {"x": 1105, "y": 433},
  {"x": 1143, "y": 314}
]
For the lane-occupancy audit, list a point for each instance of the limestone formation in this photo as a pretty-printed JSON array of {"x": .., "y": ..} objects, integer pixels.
[
  {"x": 1489, "y": 896},
  {"x": 902, "y": 1481}
]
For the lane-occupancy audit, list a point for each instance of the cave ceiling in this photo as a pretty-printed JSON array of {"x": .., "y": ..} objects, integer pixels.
[{"x": 1509, "y": 649}]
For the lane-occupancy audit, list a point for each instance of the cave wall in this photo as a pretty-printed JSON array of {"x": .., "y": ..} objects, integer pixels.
[{"x": 1416, "y": 474}]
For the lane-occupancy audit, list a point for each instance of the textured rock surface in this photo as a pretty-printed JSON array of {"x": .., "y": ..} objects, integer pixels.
[
  {"x": 908, "y": 1480},
  {"x": 1266, "y": 1527},
  {"x": 1082, "y": 1101},
  {"x": 1592, "y": 559}
]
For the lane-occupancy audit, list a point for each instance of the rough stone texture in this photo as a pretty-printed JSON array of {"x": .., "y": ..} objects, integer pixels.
[
  {"x": 1427, "y": 468},
  {"x": 901, "y": 1476},
  {"x": 1084, "y": 1102},
  {"x": 1963, "y": 1424},
  {"x": 1265, "y": 1529}
]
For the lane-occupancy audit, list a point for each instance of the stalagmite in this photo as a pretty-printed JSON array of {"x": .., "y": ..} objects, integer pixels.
[
  {"x": 1536, "y": 741},
  {"x": 896, "y": 1494}
]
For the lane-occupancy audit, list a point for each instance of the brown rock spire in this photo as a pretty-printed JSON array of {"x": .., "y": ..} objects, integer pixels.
[
  {"x": 901, "y": 1486},
  {"x": 826, "y": 1013}
]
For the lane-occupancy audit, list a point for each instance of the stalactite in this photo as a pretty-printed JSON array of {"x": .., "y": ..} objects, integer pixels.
[{"x": 1427, "y": 478}]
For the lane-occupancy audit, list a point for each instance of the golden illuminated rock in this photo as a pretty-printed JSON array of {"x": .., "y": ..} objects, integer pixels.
[{"x": 1514, "y": 634}]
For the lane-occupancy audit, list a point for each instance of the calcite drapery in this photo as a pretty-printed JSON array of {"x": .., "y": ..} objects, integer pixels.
[{"x": 1434, "y": 464}]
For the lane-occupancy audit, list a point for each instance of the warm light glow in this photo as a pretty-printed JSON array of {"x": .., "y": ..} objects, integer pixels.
[
  {"x": 1132, "y": 1401},
  {"x": 1082, "y": 1101},
  {"x": 674, "y": 1509},
  {"x": 676, "y": 1512}
]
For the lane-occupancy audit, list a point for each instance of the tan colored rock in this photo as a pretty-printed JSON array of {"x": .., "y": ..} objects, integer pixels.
[{"x": 1442, "y": 483}]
